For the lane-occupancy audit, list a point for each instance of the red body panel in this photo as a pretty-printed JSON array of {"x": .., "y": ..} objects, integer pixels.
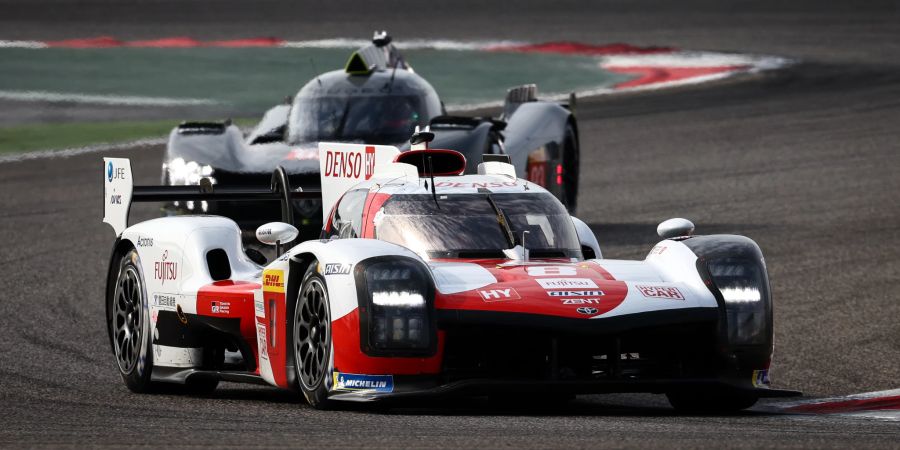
[
  {"x": 231, "y": 299},
  {"x": 567, "y": 286},
  {"x": 349, "y": 357}
]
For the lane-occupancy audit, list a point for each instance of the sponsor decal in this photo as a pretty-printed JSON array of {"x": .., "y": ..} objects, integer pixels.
[
  {"x": 264, "y": 232},
  {"x": 165, "y": 270},
  {"x": 498, "y": 295},
  {"x": 273, "y": 281},
  {"x": 485, "y": 185},
  {"x": 658, "y": 249},
  {"x": 220, "y": 307},
  {"x": 587, "y": 310},
  {"x": 549, "y": 271},
  {"x": 164, "y": 301},
  {"x": 666, "y": 292},
  {"x": 580, "y": 301},
  {"x": 115, "y": 199},
  {"x": 350, "y": 164},
  {"x": 114, "y": 173},
  {"x": 575, "y": 293},
  {"x": 760, "y": 378},
  {"x": 357, "y": 382},
  {"x": 337, "y": 269},
  {"x": 260, "y": 307},
  {"x": 563, "y": 283},
  {"x": 144, "y": 242},
  {"x": 261, "y": 341}
]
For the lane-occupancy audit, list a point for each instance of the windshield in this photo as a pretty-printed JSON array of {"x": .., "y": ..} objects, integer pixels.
[
  {"x": 469, "y": 226},
  {"x": 375, "y": 119}
]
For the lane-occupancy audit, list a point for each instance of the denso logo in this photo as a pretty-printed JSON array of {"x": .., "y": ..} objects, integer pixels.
[
  {"x": 499, "y": 295},
  {"x": 165, "y": 270},
  {"x": 665, "y": 292},
  {"x": 350, "y": 164}
]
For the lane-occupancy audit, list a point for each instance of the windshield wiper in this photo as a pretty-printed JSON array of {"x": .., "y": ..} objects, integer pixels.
[{"x": 503, "y": 221}]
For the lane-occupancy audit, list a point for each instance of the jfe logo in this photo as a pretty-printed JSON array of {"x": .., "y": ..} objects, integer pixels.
[{"x": 114, "y": 173}]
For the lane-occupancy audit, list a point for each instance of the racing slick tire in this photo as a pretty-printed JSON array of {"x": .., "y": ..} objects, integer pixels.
[
  {"x": 129, "y": 324},
  {"x": 312, "y": 338},
  {"x": 570, "y": 164},
  {"x": 710, "y": 402}
]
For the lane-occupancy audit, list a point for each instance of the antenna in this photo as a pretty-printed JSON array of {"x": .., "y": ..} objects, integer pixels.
[
  {"x": 524, "y": 248},
  {"x": 313, "y": 63},
  {"x": 433, "y": 191}
]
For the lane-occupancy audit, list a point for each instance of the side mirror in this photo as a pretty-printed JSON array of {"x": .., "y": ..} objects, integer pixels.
[
  {"x": 589, "y": 246},
  {"x": 676, "y": 227},
  {"x": 277, "y": 234}
]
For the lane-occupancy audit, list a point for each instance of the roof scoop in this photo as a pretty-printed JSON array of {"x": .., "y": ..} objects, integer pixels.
[
  {"x": 421, "y": 138},
  {"x": 434, "y": 162}
]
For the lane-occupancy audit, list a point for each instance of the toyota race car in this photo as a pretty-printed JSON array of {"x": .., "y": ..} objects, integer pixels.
[
  {"x": 427, "y": 281},
  {"x": 377, "y": 99}
]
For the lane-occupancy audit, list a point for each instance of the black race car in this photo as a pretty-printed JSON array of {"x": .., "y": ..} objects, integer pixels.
[{"x": 378, "y": 99}]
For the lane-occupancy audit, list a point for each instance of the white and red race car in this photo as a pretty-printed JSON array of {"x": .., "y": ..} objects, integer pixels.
[{"x": 429, "y": 282}]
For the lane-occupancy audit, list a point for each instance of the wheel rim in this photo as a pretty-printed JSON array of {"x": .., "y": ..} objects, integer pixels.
[
  {"x": 312, "y": 334},
  {"x": 128, "y": 317}
]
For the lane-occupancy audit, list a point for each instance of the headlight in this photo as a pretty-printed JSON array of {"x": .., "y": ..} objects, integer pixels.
[
  {"x": 183, "y": 173},
  {"x": 743, "y": 286},
  {"x": 397, "y": 313}
]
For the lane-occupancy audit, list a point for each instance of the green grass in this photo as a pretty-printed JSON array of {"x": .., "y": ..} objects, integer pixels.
[{"x": 56, "y": 136}]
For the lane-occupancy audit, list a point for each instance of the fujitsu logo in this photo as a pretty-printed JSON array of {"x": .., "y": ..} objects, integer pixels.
[{"x": 165, "y": 270}]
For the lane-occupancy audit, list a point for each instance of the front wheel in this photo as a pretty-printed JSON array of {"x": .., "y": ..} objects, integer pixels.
[
  {"x": 129, "y": 325},
  {"x": 710, "y": 402},
  {"x": 312, "y": 338}
]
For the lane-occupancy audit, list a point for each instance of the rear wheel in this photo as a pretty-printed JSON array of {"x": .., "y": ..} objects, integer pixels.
[
  {"x": 710, "y": 402},
  {"x": 129, "y": 325},
  {"x": 312, "y": 338},
  {"x": 570, "y": 164}
]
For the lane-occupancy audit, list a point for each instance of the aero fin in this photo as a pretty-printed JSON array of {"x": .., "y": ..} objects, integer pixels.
[
  {"x": 356, "y": 65},
  {"x": 117, "y": 189}
]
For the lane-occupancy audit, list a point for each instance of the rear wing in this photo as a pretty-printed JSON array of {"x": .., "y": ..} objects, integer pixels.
[{"x": 119, "y": 193}]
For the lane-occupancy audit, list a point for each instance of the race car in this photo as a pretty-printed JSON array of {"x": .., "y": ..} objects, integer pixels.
[
  {"x": 378, "y": 99},
  {"x": 427, "y": 281}
]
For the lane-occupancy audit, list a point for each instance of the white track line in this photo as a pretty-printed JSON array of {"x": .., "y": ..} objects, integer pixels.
[
  {"x": 128, "y": 100},
  {"x": 65, "y": 153}
]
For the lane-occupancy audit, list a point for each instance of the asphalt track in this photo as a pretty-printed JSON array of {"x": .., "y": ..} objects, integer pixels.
[{"x": 805, "y": 161}]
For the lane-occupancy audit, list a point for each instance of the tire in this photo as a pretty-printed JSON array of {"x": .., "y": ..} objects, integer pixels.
[
  {"x": 570, "y": 162},
  {"x": 710, "y": 402},
  {"x": 129, "y": 325},
  {"x": 312, "y": 338}
]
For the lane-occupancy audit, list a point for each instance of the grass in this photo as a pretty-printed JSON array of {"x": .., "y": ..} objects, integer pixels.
[{"x": 57, "y": 136}]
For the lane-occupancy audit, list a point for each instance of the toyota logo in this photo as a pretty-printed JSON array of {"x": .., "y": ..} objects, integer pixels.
[{"x": 587, "y": 310}]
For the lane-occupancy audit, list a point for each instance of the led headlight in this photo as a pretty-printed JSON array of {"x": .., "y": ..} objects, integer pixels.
[
  {"x": 744, "y": 288},
  {"x": 397, "y": 315},
  {"x": 181, "y": 173}
]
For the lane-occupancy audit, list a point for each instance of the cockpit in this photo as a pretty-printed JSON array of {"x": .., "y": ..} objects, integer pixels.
[{"x": 480, "y": 225}]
